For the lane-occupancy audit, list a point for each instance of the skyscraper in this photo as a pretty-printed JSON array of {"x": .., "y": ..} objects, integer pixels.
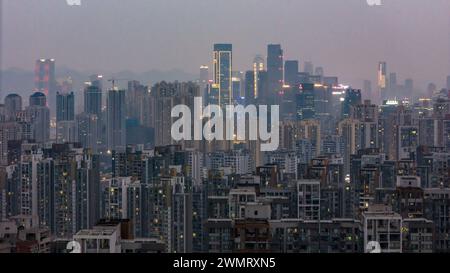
[
  {"x": 382, "y": 80},
  {"x": 291, "y": 72},
  {"x": 250, "y": 88},
  {"x": 8, "y": 131},
  {"x": 407, "y": 142},
  {"x": 348, "y": 130},
  {"x": 90, "y": 123},
  {"x": 258, "y": 67},
  {"x": 65, "y": 118},
  {"x": 88, "y": 132},
  {"x": 309, "y": 68},
  {"x": 275, "y": 68},
  {"x": 368, "y": 90},
  {"x": 255, "y": 88},
  {"x": 38, "y": 99},
  {"x": 392, "y": 85},
  {"x": 409, "y": 87},
  {"x": 93, "y": 99},
  {"x": 204, "y": 81},
  {"x": 352, "y": 98},
  {"x": 166, "y": 96},
  {"x": 305, "y": 102},
  {"x": 66, "y": 131},
  {"x": 223, "y": 65},
  {"x": 65, "y": 106},
  {"x": 97, "y": 81},
  {"x": 237, "y": 81},
  {"x": 44, "y": 80},
  {"x": 448, "y": 83},
  {"x": 39, "y": 116},
  {"x": 115, "y": 112},
  {"x": 63, "y": 187},
  {"x": 204, "y": 74},
  {"x": 135, "y": 101},
  {"x": 13, "y": 104}
]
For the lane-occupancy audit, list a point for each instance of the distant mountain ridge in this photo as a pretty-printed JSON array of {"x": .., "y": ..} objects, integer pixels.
[{"x": 16, "y": 80}]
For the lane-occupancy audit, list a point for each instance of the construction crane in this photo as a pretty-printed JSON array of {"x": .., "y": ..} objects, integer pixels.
[{"x": 114, "y": 80}]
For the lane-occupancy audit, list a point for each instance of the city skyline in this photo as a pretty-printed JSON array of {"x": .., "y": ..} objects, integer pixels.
[
  {"x": 303, "y": 127},
  {"x": 316, "y": 32}
]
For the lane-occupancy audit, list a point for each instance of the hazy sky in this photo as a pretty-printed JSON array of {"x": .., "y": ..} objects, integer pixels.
[{"x": 347, "y": 37}]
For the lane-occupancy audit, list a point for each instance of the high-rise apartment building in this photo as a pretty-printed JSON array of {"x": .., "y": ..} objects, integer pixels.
[
  {"x": 65, "y": 118},
  {"x": 39, "y": 116},
  {"x": 13, "y": 105},
  {"x": 93, "y": 99},
  {"x": 116, "y": 117}
]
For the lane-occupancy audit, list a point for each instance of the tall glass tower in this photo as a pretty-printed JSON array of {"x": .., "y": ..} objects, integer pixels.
[
  {"x": 223, "y": 60},
  {"x": 275, "y": 68},
  {"x": 65, "y": 106}
]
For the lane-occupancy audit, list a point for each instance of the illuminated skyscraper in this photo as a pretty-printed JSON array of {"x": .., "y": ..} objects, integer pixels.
[
  {"x": 382, "y": 80},
  {"x": 305, "y": 102},
  {"x": 223, "y": 65},
  {"x": 275, "y": 68},
  {"x": 258, "y": 67},
  {"x": 255, "y": 88},
  {"x": 44, "y": 80}
]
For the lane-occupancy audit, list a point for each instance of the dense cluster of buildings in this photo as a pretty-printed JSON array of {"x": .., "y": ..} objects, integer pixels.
[{"x": 353, "y": 168}]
